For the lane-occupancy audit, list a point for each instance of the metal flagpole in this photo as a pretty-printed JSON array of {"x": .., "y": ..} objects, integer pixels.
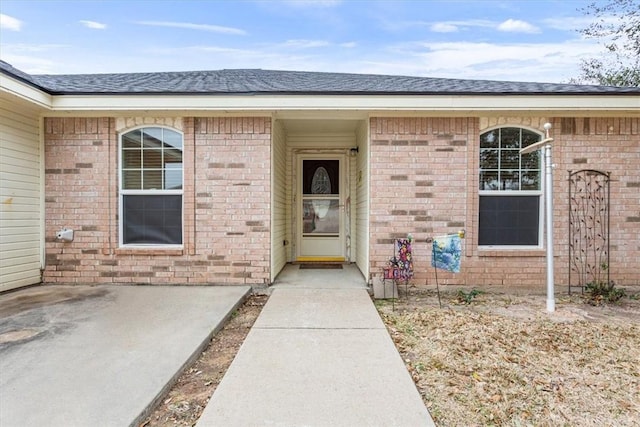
[{"x": 546, "y": 144}]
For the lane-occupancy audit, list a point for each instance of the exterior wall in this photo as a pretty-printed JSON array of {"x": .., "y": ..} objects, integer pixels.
[
  {"x": 424, "y": 182},
  {"x": 350, "y": 203},
  {"x": 360, "y": 232},
  {"x": 227, "y": 185},
  {"x": 419, "y": 180},
  {"x": 20, "y": 196},
  {"x": 609, "y": 145},
  {"x": 279, "y": 240},
  {"x": 418, "y": 175},
  {"x": 80, "y": 194}
]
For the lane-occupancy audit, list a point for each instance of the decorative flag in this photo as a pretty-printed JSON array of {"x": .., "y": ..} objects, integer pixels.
[
  {"x": 404, "y": 259},
  {"x": 447, "y": 252}
]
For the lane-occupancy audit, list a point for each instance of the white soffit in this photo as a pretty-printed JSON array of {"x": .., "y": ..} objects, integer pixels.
[
  {"x": 629, "y": 104},
  {"x": 25, "y": 92},
  {"x": 618, "y": 104}
]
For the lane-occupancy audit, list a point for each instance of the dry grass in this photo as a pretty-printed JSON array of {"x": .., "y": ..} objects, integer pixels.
[{"x": 504, "y": 361}]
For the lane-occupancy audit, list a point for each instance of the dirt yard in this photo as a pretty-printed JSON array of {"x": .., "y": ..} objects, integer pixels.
[
  {"x": 500, "y": 359},
  {"x": 484, "y": 359},
  {"x": 185, "y": 401}
]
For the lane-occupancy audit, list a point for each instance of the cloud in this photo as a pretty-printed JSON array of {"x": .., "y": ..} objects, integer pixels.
[
  {"x": 198, "y": 27},
  {"x": 517, "y": 26},
  {"x": 543, "y": 62},
  {"x": 93, "y": 25},
  {"x": 266, "y": 56},
  {"x": 24, "y": 47},
  {"x": 210, "y": 49},
  {"x": 29, "y": 64},
  {"x": 567, "y": 23},
  {"x": 35, "y": 58},
  {"x": 510, "y": 25},
  {"x": 508, "y": 61},
  {"x": 575, "y": 23},
  {"x": 443, "y": 27},
  {"x": 10, "y": 23},
  {"x": 305, "y": 44}
]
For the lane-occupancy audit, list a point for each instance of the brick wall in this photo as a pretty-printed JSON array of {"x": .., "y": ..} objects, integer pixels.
[
  {"x": 232, "y": 197},
  {"x": 424, "y": 182},
  {"x": 609, "y": 145},
  {"x": 226, "y": 203},
  {"x": 419, "y": 181},
  {"x": 79, "y": 153}
]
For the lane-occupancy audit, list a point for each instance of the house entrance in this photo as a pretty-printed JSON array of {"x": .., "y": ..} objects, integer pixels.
[{"x": 320, "y": 206}]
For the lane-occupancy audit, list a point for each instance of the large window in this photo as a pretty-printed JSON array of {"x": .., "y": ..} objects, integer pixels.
[
  {"x": 151, "y": 187},
  {"x": 510, "y": 189}
]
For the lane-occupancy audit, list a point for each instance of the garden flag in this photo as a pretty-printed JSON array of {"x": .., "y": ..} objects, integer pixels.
[
  {"x": 404, "y": 261},
  {"x": 446, "y": 253}
]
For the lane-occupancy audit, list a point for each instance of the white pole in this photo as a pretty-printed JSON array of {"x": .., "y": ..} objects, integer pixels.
[
  {"x": 551, "y": 303},
  {"x": 548, "y": 192}
]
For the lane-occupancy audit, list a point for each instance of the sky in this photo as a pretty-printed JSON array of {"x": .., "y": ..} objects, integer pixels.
[{"x": 526, "y": 40}]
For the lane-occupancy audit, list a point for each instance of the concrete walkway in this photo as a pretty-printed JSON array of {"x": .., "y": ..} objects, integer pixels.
[
  {"x": 101, "y": 355},
  {"x": 317, "y": 357}
]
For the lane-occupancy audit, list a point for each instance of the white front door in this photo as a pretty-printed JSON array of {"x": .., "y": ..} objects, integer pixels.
[{"x": 320, "y": 208}]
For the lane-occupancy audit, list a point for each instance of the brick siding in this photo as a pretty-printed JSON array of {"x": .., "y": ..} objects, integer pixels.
[
  {"x": 424, "y": 181},
  {"x": 226, "y": 203}
]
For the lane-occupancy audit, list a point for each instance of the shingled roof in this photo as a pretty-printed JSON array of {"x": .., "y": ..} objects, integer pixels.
[{"x": 257, "y": 81}]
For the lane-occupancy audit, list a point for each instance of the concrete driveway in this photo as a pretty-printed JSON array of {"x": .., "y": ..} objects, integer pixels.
[{"x": 100, "y": 355}]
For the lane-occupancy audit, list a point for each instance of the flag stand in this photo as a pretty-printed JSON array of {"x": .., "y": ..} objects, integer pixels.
[
  {"x": 435, "y": 269},
  {"x": 448, "y": 255},
  {"x": 437, "y": 286}
]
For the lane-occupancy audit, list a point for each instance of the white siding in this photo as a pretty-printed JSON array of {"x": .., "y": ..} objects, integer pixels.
[
  {"x": 362, "y": 199},
  {"x": 352, "y": 245},
  {"x": 20, "y": 197},
  {"x": 279, "y": 201}
]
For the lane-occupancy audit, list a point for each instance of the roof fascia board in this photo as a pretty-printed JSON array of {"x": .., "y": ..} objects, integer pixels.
[
  {"x": 25, "y": 91},
  {"x": 390, "y": 103}
]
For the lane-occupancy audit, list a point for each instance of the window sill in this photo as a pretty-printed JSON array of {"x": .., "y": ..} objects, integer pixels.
[
  {"x": 507, "y": 252},
  {"x": 140, "y": 250}
]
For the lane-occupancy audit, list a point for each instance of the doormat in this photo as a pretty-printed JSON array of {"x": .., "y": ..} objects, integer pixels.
[{"x": 320, "y": 266}]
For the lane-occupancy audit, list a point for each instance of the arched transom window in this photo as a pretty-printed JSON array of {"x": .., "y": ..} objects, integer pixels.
[
  {"x": 151, "y": 179},
  {"x": 510, "y": 189}
]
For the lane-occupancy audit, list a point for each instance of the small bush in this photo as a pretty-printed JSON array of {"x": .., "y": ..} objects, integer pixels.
[
  {"x": 602, "y": 292},
  {"x": 463, "y": 297}
]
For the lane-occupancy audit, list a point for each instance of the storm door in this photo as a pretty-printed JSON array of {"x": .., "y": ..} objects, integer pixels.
[{"x": 321, "y": 209}]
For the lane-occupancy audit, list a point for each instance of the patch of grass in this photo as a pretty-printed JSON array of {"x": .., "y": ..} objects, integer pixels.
[
  {"x": 420, "y": 366},
  {"x": 635, "y": 296},
  {"x": 406, "y": 327},
  {"x": 599, "y": 293},
  {"x": 379, "y": 303},
  {"x": 467, "y": 298}
]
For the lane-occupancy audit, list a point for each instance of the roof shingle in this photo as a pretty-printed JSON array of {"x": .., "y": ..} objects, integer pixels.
[{"x": 257, "y": 81}]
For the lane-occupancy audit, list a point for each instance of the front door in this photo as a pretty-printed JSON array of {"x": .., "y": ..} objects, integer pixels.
[{"x": 321, "y": 208}]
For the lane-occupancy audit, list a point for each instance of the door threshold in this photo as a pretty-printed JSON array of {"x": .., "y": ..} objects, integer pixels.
[{"x": 320, "y": 259}]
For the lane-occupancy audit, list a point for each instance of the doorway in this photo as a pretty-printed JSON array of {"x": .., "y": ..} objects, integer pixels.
[{"x": 320, "y": 208}]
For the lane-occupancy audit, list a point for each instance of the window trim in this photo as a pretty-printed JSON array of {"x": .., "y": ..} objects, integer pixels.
[
  {"x": 539, "y": 193},
  {"x": 138, "y": 192}
]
